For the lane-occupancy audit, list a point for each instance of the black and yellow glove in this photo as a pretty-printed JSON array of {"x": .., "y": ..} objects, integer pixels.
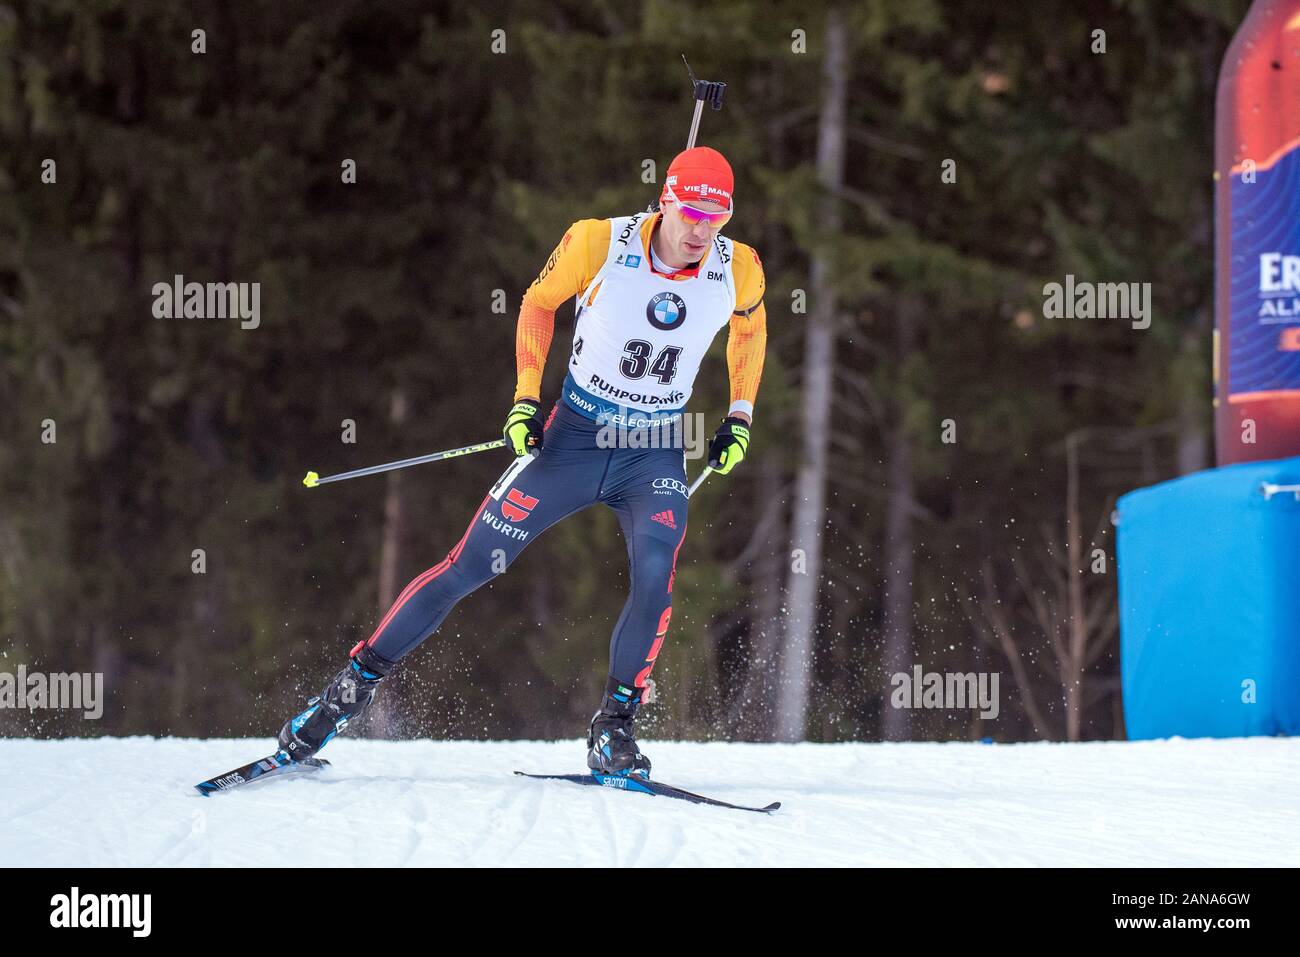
[
  {"x": 729, "y": 445},
  {"x": 523, "y": 429}
]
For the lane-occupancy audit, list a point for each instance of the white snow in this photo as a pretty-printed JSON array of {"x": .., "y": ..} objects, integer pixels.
[{"x": 130, "y": 801}]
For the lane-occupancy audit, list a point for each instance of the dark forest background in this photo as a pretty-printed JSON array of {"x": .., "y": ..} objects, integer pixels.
[{"x": 918, "y": 300}]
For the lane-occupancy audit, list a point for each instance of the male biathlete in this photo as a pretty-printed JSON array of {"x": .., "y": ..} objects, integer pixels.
[{"x": 654, "y": 289}]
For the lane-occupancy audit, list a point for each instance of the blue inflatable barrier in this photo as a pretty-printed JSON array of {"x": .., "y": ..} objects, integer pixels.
[{"x": 1209, "y": 592}]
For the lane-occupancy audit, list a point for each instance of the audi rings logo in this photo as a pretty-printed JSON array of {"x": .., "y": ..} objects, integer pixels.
[
  {"x": 666, "y": 311},
  {"x": 670, "y": 484}
]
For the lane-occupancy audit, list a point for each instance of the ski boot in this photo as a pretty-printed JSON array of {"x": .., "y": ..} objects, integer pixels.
[
  {"x": 611, "y": 747},
  {"x": 344, "y": 699}
]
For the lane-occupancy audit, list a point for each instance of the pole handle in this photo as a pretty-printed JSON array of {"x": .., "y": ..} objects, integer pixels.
[{"x": 706, "y": 91}]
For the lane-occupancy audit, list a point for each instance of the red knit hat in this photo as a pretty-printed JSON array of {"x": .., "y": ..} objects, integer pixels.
[{"x": 700, "y": 174}]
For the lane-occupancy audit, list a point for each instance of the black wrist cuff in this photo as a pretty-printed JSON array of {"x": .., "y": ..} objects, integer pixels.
[{"x": 373, "y": 661}]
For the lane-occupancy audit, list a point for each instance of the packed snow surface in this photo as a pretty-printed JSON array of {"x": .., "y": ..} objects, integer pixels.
[{"x": 130, "y": 801}]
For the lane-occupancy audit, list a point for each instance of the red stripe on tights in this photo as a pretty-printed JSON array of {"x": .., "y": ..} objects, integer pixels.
[{"x": 428, "y": 575}]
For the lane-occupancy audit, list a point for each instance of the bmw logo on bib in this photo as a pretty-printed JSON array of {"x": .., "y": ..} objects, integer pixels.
[{"x": 666, "y": 311}]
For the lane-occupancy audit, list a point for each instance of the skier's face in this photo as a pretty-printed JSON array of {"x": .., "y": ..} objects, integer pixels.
[{"x": 688, "y": 242}]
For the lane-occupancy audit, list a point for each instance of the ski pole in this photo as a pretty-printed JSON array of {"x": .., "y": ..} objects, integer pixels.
[
  {"x": 313, "y": 479},
  {"x": 699, "y": 480},
  {"x": 706, "y": 91}
]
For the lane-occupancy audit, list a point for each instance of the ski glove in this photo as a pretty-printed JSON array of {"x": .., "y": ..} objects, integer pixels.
[
  {"x": 729, "y": 445},
  {"x": 523, "y": 428}
]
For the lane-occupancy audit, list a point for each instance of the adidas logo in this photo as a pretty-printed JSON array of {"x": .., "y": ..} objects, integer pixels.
[{"x": 665, "y": 518}]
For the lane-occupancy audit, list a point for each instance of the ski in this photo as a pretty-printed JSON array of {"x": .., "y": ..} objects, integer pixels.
[
  {"x": 270, "y": 766},
  {"x": 645, "y": 786}
]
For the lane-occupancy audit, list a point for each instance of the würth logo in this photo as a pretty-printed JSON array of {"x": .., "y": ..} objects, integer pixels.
[
  {"x": 665, "y": 518},
  {"x": 517, "y": 505}
]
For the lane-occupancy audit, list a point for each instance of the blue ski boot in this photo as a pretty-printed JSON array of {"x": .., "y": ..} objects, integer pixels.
[
  {"x": 344, "y": 699},
  {"x": 611, "y": 746}
]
